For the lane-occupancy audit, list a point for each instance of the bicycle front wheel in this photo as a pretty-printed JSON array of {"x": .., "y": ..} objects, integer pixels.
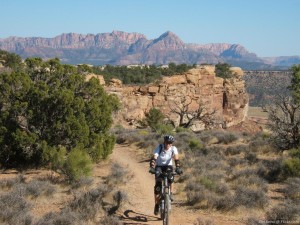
[{"x": 166, "y": 210}]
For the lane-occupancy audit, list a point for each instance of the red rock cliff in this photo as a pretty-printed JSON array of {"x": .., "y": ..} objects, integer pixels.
[{"x": 200, "y": 85}]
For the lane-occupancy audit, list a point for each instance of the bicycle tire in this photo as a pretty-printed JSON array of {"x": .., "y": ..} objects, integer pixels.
[
  {"x": 166, "y": 210},
  {"x": 162, "y": 209}
]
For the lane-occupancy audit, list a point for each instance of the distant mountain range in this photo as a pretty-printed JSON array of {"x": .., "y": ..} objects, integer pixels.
[{"x": 121, "y": 48}]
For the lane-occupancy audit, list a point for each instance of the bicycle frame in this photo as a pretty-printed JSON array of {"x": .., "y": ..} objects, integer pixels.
[{"x": 165, "y": 201}]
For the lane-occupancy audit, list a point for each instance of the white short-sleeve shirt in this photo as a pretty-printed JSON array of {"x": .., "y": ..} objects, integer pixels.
[{"x": 166, "y": 155}]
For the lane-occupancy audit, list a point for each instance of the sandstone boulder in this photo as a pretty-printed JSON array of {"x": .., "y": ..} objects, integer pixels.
[
  {"x": 115, "y": 83},
  {"x": 98, "y": 77}
]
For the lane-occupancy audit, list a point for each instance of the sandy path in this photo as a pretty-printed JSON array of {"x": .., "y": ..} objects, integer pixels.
[{"x": 139, "y": 189}]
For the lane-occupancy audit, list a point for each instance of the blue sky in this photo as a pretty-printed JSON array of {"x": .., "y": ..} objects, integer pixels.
[{"x": 264, "y": 27}]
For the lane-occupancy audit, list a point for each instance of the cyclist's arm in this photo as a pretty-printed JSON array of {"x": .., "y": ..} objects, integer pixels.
[
  {"x": 154, "y": 157},
  {"x": 176, "y": 157}
]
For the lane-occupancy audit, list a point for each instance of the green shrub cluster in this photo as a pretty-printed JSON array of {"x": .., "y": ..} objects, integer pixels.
[
  {"x": 47, "y": 110},
  {"x": 140, "y": 75}
]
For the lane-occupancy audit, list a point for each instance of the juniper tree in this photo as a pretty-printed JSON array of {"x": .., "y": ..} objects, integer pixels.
[{"x": 49, "y": 106}]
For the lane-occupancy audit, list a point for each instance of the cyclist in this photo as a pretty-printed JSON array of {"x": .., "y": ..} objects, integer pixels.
[{"x": 161, "y": 162}]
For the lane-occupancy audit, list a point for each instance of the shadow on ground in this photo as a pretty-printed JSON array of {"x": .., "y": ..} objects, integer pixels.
[{"x": 130, "y": 217}]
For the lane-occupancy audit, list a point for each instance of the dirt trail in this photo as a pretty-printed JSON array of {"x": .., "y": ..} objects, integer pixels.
[{"x": 139, "y": 210}]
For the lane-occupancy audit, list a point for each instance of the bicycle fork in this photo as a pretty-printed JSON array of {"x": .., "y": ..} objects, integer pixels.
[{"x": 165, "y": 192}]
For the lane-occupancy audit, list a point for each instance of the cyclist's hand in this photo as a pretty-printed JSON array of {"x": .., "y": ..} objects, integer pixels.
[
  {"x": 152, "y": 170},
  {"x": 152, "y": 163},
  {"x": 178, "y": 170}
]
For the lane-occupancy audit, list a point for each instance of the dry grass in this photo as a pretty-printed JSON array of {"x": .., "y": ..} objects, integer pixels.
[
  {"x": 40, "y": 197},
  {"x": 229, "y": 173}
]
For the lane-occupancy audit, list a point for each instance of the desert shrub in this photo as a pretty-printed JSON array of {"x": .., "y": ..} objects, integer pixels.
[
  {"x": 9, "y": 183},
  {"x": 270, "y": 170},
  {"x": 129, "y": 136},
  {"x": 20, "y": 189},
  {"x": 36, "y": 188},
  {"x": 149, "y": 144},
  {"x": 245, "y": 172},
  {"x": 164, "y": 129},
  {"x": 251, "y": 180},
  {"x": 292, "y": 189},
  {"x": 82, "y": 182},
  {"x": 291, "y": 167},
  {"x": 182, "y": 130},
  {"x": 249, "y": 197},
  {"x": 236, "y": 161},
  {"x": 235, "y": 150},
  {"x": 251, "y": 157},
  {"x": 53, "y": 178},
  {"x": 205, "y": 136},
  {"x": 260, "y": 144},
  {"x": 286, "y": 211},
  {"x": 295, "y": 153},
  {"x": 208, "y": 195},
  {"x": 88, "y": 204},
  {"x": 225, "y": 137},
  {"x": 195, "y": 144},
  {"x": 65, "y": 217},
  {"x": 195, "y": 192},
  {"x": 208, "y": 183},
  {"x": 78, "y": 164},
  {"x": 118, "y": 174},
  {"x": 14, "y": 209},
  {"x": 221, "y": 202},
  {"x": 182, "y": 139}
]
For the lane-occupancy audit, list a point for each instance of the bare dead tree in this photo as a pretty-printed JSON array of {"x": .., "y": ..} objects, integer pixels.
[
  {"x": 188, "y": 115},
  {"x": 284, "y": 121}
]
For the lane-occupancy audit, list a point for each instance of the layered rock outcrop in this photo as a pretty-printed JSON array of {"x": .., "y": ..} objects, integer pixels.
[{"x": 197, "y": 87}]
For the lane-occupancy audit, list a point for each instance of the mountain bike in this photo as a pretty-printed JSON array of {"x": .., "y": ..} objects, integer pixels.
[{"x": 164, "y": 200}]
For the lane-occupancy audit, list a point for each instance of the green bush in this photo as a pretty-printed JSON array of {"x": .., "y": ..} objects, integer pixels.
[
  {"x": 56, "y": 157},
  {"x": 78, "y": 164},
  {"x": 291, "y": 167},
  {"x": 295, "y": 153},
  {"x": 182, "y": 130},
  {"x": 208, "y": 183},
  {"x": 154, "y": 118},
  {"x": 195, "y": 144},
  {"x": 47, "y": 110},
  {"x": 223, "y": 71},
  {"x": 165, "y": 129}
]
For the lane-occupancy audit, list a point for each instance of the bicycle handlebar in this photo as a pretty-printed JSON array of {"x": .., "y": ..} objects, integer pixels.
[{"x": 152, "y": 171}]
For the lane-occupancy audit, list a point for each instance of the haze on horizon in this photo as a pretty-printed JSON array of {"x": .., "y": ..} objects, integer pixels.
[{"x": 265, "y": 27}]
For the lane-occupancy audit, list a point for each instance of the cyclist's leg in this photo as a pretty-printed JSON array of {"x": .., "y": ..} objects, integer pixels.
[
  {"x": 157, "y": 187},
  {"x": 171, "y": 181}
]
